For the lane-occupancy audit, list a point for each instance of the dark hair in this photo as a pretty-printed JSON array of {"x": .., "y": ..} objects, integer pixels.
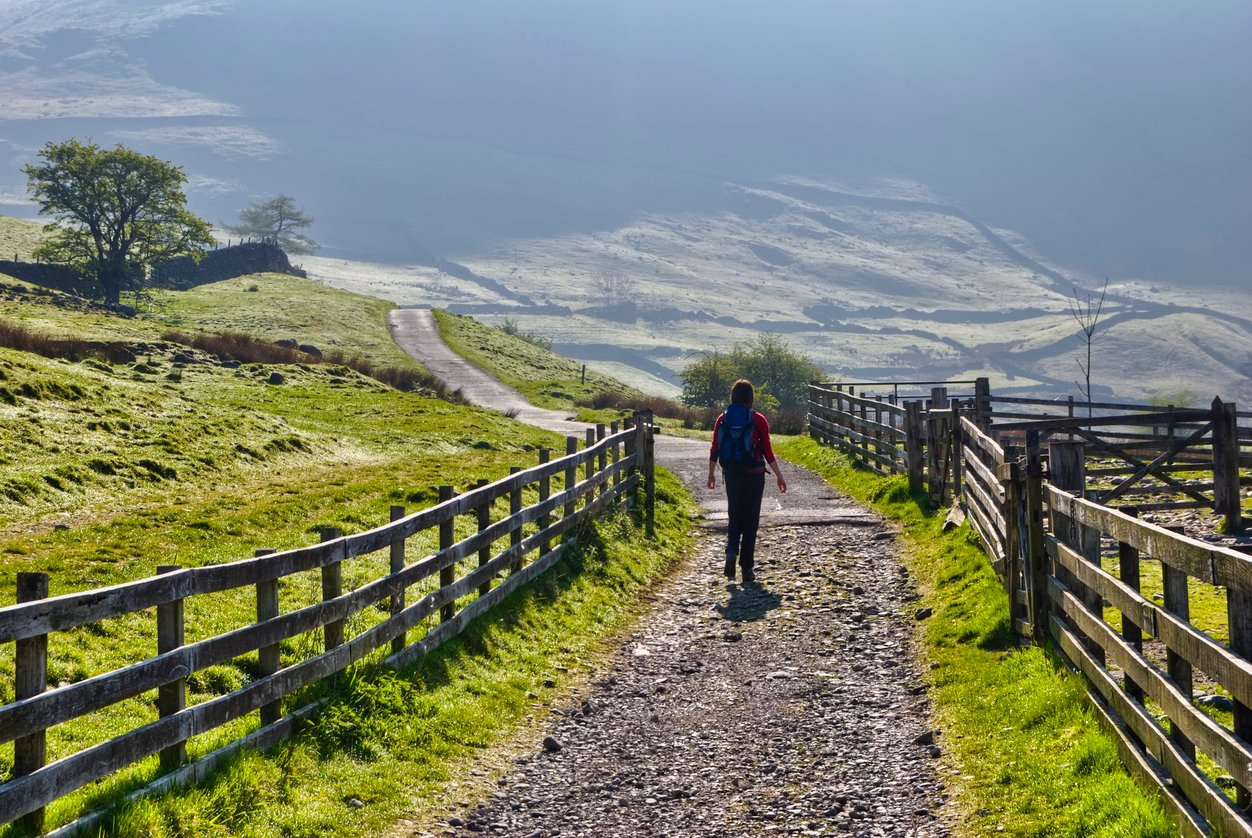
[{"x": 742, "y": 392}]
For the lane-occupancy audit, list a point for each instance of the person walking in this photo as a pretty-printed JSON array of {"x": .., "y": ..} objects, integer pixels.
[{"x": 741, "y": 446}]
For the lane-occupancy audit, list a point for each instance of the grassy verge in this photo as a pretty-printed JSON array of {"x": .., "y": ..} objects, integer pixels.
[
  {"x": 545, "y": 378},
  {"x": 1026, "y": 757},
  {"x": 390, "y": 746}
]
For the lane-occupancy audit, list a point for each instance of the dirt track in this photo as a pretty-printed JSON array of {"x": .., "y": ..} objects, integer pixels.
[{"x": 791, "y": 707}]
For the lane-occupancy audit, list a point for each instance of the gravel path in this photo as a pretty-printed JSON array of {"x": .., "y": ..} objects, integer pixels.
[{"x": 792, "y": 707}]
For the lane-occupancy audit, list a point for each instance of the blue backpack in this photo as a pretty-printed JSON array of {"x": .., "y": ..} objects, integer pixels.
[{"x": 736, "y": 439}]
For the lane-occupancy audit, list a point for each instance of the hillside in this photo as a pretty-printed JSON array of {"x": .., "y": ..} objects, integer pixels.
[
  {"x": 177, "y": 427},
  {"x": 885, "y": 282}
]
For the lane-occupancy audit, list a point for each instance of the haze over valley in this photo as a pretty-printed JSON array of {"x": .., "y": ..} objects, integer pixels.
[{"x": 898, "y": 188}]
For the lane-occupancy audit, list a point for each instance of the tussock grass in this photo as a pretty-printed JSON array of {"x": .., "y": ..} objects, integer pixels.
[{"x": 1024, "y": 753}]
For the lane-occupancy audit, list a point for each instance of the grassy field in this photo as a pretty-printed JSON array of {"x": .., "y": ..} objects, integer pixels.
[
  {"x": 545, "y": 378},
  {"x": 1026, "y": 757},
  {"x": 18, "y": 237},
  {"x": 111, "y": 469}
]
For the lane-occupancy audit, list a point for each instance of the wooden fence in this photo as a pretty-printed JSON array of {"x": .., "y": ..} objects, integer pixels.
[
  {"x": 473, "y": 575},
  {"x": 1071, "y": 565}
]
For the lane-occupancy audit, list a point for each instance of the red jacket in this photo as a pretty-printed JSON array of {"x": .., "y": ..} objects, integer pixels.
[{"x": 763, "y": 451}]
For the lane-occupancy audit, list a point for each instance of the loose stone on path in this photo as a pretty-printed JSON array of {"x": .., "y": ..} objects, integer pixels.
[{"x": 793, "y": 708}]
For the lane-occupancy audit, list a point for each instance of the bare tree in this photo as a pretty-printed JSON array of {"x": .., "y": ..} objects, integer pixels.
[
  {"x": 613, "y": 285},
  {"x": 1086, "y": 311}
]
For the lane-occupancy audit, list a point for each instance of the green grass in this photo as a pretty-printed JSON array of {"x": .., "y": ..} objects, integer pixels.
[
  {"x": 545, "y": 378},
  {"x": 109, "y": 470},
  {"x": 18, "y": 237},
  {"x": 1024, "y": 751},
  {"x": 392, "y": 745}
]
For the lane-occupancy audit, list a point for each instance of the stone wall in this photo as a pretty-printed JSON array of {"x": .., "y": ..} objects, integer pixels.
[
  {"x": 56, "y": 277},
  {"x": 181, "y": 273},
  {"x": 224, "y": 263}
]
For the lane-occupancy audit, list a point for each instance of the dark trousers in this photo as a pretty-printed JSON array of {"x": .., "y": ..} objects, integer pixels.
[{"x": 743, "y": 496}]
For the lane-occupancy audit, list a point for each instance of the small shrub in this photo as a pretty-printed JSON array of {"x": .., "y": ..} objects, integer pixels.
[{"x": 510, "y": 327}]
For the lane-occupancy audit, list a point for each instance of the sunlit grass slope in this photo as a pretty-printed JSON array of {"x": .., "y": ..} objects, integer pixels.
[
  {"x": 545, "y": 378},
  {"x": 109, "y": 469},
  {"x": 18, "y": 237}
]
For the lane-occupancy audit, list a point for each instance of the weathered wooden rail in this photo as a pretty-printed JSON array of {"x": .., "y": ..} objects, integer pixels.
[
  {"x": 1071, "y": 565},
  {"x": 473, "y": 574}
]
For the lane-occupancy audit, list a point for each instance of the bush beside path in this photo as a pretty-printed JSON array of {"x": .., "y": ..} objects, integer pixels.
[{"x": 794, "y": 706}]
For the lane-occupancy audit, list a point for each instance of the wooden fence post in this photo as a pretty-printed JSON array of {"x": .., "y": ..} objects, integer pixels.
[
  {"x": 515, "y": 509},
  {"x": 878, "y": 434},
  {"x": 1132, "y": 633},
  {"x": 1036, "y": 555},
  {"x": 629, "y": 444},
  {"x": 484, "y": 552},
  {"x": 332, "y": 587},
  {"x": 862, "y": 427},
  {"x": 982, "y": 403},
  {"x": 914, "y": 450},
  {"x": 171, "y": 697},
  {"x": 1226, "y": 499},
  {"x": 602, "y": 459},
  {"x": 545, "y": 492},
  {"x": 649, "y": 474},
  {"x": 1239, "y": 615},
  {"x": 269, "y": 658},
  {"x": 614, "y": 456},
  {"x": 30, "y": 753},
  {"x": 813, "y": 396},
  {"x": 1010, "y": 483},
  {"x": 589, "y": 468},
  {"x": 396, "y": 565},
  {"x": 571, "y": 478},
  {"x": 954, "y": 453},
  {"x": 1067, "y": 463},
  {"x": 1178, "y": 603},
  {"x": 447, "y": 534}
]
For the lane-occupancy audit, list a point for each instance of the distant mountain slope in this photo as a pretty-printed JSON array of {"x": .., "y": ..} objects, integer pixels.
[{"x": 871, "y": 285}]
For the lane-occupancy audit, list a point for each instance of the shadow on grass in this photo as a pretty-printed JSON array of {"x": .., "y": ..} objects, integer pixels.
[{"x": 1000, "y": 638}]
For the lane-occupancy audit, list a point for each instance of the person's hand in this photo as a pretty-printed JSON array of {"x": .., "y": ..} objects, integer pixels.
[
  {"x": 782, "y": 484},
  {"x": 712, "y": 482}
]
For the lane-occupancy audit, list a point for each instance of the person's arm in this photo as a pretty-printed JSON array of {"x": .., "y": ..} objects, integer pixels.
[
  {"x": 762, "y": 427},
  {"x": 782, "y": 481},
  {"x": 713, "y": 455}
]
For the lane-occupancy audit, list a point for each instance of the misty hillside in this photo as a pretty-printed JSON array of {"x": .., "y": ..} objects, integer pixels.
[
  {"x": 1112, "y": 135},
  {"x": 900, "y": 188},
  {"x": 882, "y": 285}
]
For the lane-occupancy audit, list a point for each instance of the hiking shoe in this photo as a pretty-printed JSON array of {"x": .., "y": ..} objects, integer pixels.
[
  {"x": 730, "y": 566},
  {"x": 748, "y": 576}
]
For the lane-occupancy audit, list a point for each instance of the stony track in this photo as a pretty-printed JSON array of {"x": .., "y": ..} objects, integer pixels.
[{"x": 794, "y": 706}]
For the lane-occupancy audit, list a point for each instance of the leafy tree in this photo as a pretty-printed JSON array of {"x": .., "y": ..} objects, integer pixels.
[
  {"x": 117, "y": 213},
  {"x": 769, "y": 363},
  {"x": 780, "y": 375},
  {"x": 707, "y": 382},
  {"x": 278, "y": 220}
]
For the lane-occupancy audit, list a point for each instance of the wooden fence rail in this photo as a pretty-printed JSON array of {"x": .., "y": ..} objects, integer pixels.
[
  {"x": 615, "y": 465},
  {"x": 1071, "y": 565}
]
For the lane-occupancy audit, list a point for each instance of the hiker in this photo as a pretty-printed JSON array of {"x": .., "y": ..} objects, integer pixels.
[{"x": 741, "y": 446}]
